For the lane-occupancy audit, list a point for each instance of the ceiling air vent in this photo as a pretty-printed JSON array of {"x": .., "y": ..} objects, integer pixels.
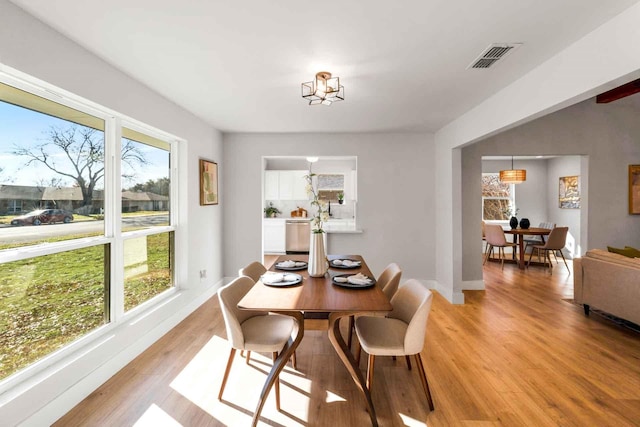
[{"x": 493, "y": 54}]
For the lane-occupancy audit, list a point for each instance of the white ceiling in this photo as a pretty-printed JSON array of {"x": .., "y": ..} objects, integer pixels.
[{"x": 239, "y": 64}]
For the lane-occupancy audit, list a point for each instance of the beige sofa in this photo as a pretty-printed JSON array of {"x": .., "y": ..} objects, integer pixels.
[{"x": 609, "y": 282}]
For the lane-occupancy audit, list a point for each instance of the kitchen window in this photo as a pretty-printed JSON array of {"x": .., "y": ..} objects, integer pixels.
[{"x": 329, "y": 186}]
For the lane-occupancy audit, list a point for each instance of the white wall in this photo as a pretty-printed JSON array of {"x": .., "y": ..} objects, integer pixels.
[
  {"x": 558, "y": 167},
  {"x": 569, "y": 77},
  {"x": 608, "y": 136},
  {"x": 33, "y": 48},
  {"x": 395, "y": 208}
]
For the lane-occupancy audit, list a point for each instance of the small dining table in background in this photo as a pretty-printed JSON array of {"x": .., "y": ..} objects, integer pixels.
[
  {"x": 317, "y": 295},
  {"x": 519, "y": 233}
]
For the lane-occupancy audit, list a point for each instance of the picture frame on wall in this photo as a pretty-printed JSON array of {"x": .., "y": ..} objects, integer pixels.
[
  {"x": 634, "y": 189},
  {"x": 569, "y": 192},
  {"x": 208, "y": 182}
]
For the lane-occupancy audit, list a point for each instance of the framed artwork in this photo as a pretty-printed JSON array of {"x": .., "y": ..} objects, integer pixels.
[
  {"x": 208, "y": 183},
  {"x": 634, "y": 189},
  {"x": 569, "y": 192}
]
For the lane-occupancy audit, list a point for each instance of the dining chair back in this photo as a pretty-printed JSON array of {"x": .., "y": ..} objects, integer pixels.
[
  {"x": 389, "y": 280},
  {"x": 536, "y": 240},
  {"x": 494, "y": 234},
  {"x": 253, "y": 270},
  {"x": 251, "y": 330},
  {"x": 402, "y": 333},
  {"x": 556, "y": 241}
]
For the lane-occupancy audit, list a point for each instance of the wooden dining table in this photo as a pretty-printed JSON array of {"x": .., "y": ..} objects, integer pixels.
[
  {"x": 318, "y": 295},
  {"x": 519, "y": 233}
]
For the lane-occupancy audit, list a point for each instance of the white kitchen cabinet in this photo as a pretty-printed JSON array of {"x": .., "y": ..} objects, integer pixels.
[
  {"x": 354, "y": 185},
  {"x": 274, "y": 235},
  {"x": 299, "y": 184},
  {"x": 351, "y": 185},
  {"x": 285, "y": 185},
  {"x": 272, "y": 185}
]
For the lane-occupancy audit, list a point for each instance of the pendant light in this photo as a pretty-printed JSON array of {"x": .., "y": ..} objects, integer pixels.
[{"x": 513, "y": 176}]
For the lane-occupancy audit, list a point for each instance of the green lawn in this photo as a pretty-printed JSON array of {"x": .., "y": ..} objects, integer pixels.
[{"x": 48, "y": 302}]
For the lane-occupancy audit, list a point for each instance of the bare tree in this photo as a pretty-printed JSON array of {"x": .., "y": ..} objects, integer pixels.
[
  {"x": 51, "y": 182},
  {"x": 77, "y": 152}
]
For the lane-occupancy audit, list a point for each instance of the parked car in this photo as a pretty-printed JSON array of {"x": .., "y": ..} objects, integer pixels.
[{"x": 43, "y": 216}]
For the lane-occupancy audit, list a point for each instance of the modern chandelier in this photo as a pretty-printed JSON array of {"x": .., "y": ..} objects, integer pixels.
[
  {"x": 513, "y": 176},
  {"x": 323, "y": 90}
]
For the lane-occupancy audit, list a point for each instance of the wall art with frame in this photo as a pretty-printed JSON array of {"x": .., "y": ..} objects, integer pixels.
[
  {"x": 634, "y": 189},
  {"x": 208, "y": 182},
  {"x": 569, "y": 192}
]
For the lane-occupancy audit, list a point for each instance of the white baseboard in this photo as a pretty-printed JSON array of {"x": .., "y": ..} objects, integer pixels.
[{"x": 473, "y": 285}]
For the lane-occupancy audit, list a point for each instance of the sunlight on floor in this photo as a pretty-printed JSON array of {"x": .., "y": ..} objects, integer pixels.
[
  {"x": 332, "y": 397},
  {"x": 411, "y": 422},
  {"x": 154, "y": 416},
  {"x": 199, "y": 382}
]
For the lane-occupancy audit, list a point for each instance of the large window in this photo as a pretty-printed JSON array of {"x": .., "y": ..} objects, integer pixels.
[
  {"x": 73, "y": 237},
  {"x": 497, "y": 198}
]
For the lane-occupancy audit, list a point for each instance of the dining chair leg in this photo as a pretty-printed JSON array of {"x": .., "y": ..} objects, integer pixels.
[
  {"x": 408, "y": 359},
  {"x": 502, "y": 256},
  {"x": 232, "y": 353},
  {"x": 294, "y": 361},
  {"x": 565, "y": 261},
  {"x": 372, "y": 359},
  {"x": 248, "y": 356},
  {"x": 352, "y": 321},
  {"x": 487, "y": 253},
  {"x": 425, "y": 382},
  {"x": 531, "y": 254},
  {"x": 277, "y": 383},
  {"x": 358, "y": 354}
]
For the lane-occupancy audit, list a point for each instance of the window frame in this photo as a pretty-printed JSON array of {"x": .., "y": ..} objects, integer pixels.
[
  {"x": 112, "y": 236},
  {"x": 512, "y": 200}
]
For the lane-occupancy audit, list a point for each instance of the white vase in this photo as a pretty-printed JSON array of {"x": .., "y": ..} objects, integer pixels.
[{"x": 317, "y": 257}]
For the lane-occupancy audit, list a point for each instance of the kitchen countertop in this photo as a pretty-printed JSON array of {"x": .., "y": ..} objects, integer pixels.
[{"x": 333, "y": 226}]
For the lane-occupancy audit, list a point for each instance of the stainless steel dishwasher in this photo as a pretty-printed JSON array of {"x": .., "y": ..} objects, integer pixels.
[{"x": 297, "y": 237}]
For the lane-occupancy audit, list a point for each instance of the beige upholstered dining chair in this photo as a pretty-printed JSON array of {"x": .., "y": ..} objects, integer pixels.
[
  {"x": 537, "y": 240},
  {"x": 494, "y": 234},
  {"x": 402, "y": 333},
  {"x": 251, "y": 330},
  {"x": 555, "y": 242},
  {"x": 253, "y": 270},
  {"x": 388, "y": 281}
]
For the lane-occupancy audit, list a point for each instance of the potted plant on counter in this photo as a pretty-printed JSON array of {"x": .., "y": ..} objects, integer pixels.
[
  {"x": 341, "y": 197},
  {"x": 271, "y": 211}
]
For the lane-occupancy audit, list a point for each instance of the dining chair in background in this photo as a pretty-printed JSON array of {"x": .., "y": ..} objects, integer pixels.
[
  {"x": 555, "y": 242},
  {"x": 388, "y": 281},
  {"x": 401, "y": 333},
  {"x": 494, "y": 234},
  {"x": 254, "y": 270},
  {"x": 537, "y": 240},
  {"x": 251, "y": 330},
  {"x": 484, "y": 238}
]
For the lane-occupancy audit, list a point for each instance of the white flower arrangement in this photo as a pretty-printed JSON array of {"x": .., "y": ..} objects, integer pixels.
[{"x": 322, "y": 215}]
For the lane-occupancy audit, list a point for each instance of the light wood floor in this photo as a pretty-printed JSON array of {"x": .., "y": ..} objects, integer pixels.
[{"x": 513, "y": 355}]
